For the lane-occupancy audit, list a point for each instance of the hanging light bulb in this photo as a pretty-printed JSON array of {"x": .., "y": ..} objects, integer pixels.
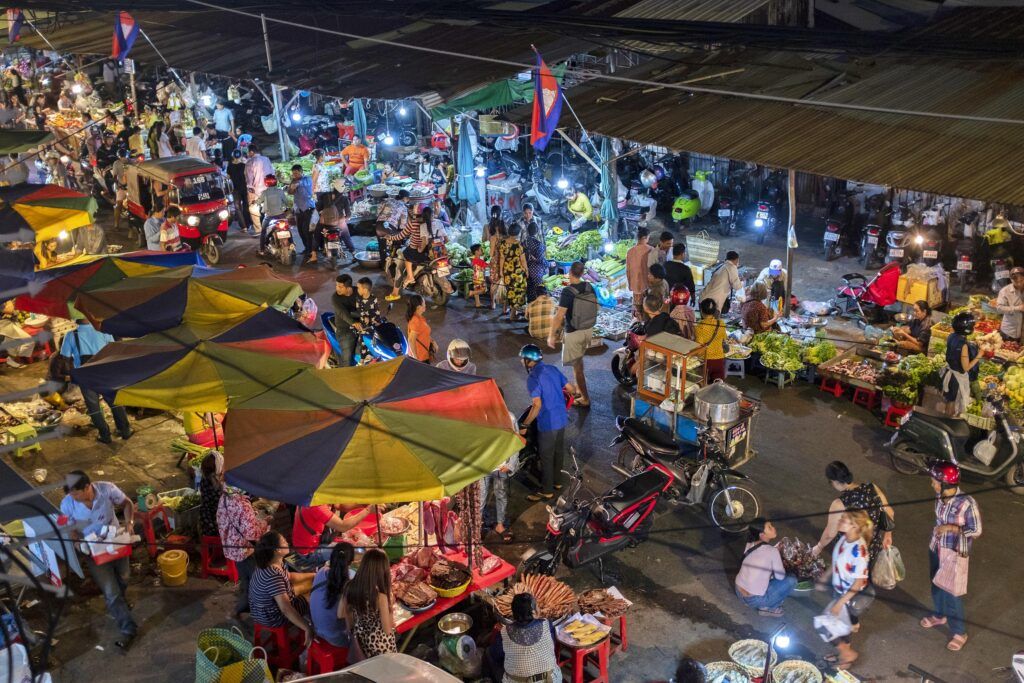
[
  {"x": 609, "y": 247},
  {"x": 206, "y": 100},
  {"x": 63, "y": 235},
  {"x": 76, "y": 88},
  {"x": 480, "y": 171},
  {"x": 562, "y": 183},
  {"x": 402, "y": 111},
  {"x": 388, "y": 140}
]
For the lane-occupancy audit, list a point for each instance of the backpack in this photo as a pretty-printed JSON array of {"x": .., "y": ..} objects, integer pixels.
[{"x": 584, "y": 308}]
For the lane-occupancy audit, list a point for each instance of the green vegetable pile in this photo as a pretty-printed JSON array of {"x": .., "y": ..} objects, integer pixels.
[
  {"x": 820, "y": 352},
  {"x": 573, "y": 247},
  {"x": 921, "y": 369},
  {"x": 458, "y": 255},
  {"x": 903, "y": 383},
  {"x": 778, "y": 351}
]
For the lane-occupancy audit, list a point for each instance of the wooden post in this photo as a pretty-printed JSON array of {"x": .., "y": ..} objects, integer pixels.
[{"x": 789, "y": 250}]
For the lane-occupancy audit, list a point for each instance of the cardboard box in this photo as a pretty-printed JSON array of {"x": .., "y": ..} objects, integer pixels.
[
  {"x": 698, "y": 273},
  {"x": 910, "y": 291}
]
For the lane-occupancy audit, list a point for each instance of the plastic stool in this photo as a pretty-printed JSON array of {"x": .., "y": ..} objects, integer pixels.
[
  {"x": 894, "y": 415},
  {"x": 278, "y": 645},
  {"x": 779, "y": 378},
  {"x": 146, "y": 519},
  {"x": 620, "y": 640},
  {"x": 211, "y": 549},
  {"x": 832, "y": 386},
  {"x": 865, "y": 397},
  {"x": 579, "y": 658},
  {"x": 323, "y": 658},
  {"x": 21, "y": 434},
  {"x": 735, "y": 367}
]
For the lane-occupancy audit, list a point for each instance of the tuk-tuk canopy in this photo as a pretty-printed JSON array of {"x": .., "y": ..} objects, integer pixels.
[{"x": 166, "y": 170}]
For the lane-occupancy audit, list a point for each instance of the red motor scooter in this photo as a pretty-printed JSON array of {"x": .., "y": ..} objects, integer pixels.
[{"x": 624, "y": 358}]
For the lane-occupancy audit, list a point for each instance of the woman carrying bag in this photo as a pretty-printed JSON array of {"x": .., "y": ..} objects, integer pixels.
[{"x": 850, "y": 587}]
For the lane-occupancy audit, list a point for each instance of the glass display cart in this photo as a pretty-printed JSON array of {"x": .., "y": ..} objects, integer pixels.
[{"x": 671, "y": 369}]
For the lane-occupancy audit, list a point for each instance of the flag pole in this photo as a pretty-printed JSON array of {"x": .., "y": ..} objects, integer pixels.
[
  {"x": 159, "y": 54},
  {"x": 47, "y": 41}
]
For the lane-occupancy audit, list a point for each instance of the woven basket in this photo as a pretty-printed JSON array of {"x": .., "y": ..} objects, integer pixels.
[
  {"x": 702, "y": 248},
  {"x": 981, "y": 422}
]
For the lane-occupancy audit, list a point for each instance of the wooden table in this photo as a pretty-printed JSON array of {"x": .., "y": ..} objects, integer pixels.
[{"x": 478, "y": 582}]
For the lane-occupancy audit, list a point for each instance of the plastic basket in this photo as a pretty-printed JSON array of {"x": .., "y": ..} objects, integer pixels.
[
  {"x": 981, "y": 422},
  {"x": 452, "y": 592}
]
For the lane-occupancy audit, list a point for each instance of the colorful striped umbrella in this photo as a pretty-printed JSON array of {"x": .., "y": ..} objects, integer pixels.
[
  {"x": 40, "y": 212},
  {"x": 51, "y": 290},
  {"x": 189, "y": 295},
  {"x": 389, "y": 432},
  {"x": 202, "y": 368}
]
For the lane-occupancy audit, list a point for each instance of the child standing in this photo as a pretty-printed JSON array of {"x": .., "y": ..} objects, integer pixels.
[
  {"x": 170, "y": 240},
  {"x": 479, "y": 273},
  {"x": 367, "y": 306}
]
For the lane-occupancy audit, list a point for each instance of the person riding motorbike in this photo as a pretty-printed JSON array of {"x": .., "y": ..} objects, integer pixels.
[
  {"x": 681, "y": 311},
  {"x": 392, "y": 218},
  {"x": 458, "y": 358},
  {"x": 421, "y": 236},
  {"x": 274, "y": 205},
  {"x": 580, "y": 208}
]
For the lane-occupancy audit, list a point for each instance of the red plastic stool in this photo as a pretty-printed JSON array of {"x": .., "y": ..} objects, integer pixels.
[
  {"x": 598, "y": 654},
  {"x": 894, "y": 415},
  {"x": 832, "y": 386},
  {"x": 282, "y": 648},
  {"x": 323, "y": 658},
  {"x": 620, "y": 640},
  {"x": 211, "y": 550},
  {"x": 146, "y": 519},
  {"x": 865, "y": 397}
]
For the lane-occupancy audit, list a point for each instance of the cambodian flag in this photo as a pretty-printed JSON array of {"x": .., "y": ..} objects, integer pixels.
[
  {"x": 125, "y": 33},
  {"x": 547, "y": 105},
  {"x": 15, "y": 18}
]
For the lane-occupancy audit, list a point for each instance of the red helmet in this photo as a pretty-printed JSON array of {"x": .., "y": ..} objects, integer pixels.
[
  {"x": 946, "y": 473},
  {"x": 680, "y": 296},
  {"x": 270, "y": 180}
]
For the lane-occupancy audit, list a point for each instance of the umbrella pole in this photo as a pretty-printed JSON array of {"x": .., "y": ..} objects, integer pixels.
[
  {"x": 376, "y": 511},
  {"x": 421, "y": 533}
]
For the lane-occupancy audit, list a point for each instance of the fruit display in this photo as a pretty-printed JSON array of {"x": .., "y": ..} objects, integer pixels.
[
  {"x": 582, "y": 632},
  {"x": 1013, "y": 385},
  {"x": 554, "y": 598},
  {"x": 599, "y": 600}
]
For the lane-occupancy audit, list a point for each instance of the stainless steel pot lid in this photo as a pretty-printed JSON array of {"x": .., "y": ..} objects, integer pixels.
[{"x": 719, "y": 393}]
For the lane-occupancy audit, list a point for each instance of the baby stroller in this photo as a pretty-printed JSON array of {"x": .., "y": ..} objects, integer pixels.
[{"x": 865, "y": 299}]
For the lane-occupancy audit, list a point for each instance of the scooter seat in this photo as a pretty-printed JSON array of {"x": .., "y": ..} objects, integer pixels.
[
  {"x": 635, "y": 489},
  {"x": 652, "y": 438},
  {"x": 957, "y": 428}
]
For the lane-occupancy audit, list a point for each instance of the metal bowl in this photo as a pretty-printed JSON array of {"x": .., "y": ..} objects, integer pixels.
[
  {"x": 455, "y": 624},
  {"x": 365, "y": 261},
  {"x": 902, "y": 317}
]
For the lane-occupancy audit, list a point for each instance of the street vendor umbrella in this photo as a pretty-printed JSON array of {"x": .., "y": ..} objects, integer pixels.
[
  {"x": 201, "y": 369},
  {"x": 51, "y": 290},
  {"x": 359, "y": 118},
  {"x": 35, "y": 213},
  {"x": 17, "y": 141},
  {"x": 610, "y": 205},
  {"x": 465, "y": 172},
  {"x": 188, "y": 295},
  {"x": 398, "y": 431}
]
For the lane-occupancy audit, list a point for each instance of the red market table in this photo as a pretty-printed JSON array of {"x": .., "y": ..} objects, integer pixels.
[{"x": 478, "y": 582}]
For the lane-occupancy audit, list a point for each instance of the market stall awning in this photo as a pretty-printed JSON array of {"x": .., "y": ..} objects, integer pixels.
[
  {"x": 201, "y": 369},
  {"x": 35, "y": 213},
  {"x": 18, "y": 141},
  {"x": 188, "y": 295},
  {"x": 389, "y": 432}
]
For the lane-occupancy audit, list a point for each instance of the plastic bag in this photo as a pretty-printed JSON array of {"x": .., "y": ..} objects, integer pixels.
[
  {"x": 830, "y": 627},
  {"x": 888, "y": 569},
  {"x": 815, "y": 307}
]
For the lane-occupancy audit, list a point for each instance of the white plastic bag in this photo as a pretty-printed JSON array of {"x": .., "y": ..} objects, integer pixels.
[
  {"x": 888, "y": 569},
  {"x": 830, "y": 627}
]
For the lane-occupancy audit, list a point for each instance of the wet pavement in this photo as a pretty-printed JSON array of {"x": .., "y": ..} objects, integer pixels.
[{"x": 680, "y": 579}]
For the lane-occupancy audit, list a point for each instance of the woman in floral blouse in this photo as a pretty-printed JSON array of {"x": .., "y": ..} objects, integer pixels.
[{"x": 239, "y": 527}]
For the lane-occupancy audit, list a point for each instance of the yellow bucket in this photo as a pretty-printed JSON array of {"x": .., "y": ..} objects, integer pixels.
[{"x": 173, "y": 567}]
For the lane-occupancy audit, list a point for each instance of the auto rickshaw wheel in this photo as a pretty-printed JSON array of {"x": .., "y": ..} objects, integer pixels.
[{"x": 210, "y": 252}]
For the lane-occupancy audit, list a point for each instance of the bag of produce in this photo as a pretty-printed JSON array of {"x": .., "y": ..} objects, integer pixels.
[
  {"x": 830, "y": 627},
  {"x": 888, "y": 569}
]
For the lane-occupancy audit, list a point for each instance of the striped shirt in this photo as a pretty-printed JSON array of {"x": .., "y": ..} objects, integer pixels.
[
  {"x": 961, "y": 510},
  {"x": 264, "y": 585}
]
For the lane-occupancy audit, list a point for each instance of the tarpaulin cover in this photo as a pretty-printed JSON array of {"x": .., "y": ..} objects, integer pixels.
[
  {"x": 40, "y": 212},
  {"x": 388, "y": 432},
  {"x": 201, "y": 369},
  {"x": 17, "y": 141},
  {"x": 498, "y": 94}
]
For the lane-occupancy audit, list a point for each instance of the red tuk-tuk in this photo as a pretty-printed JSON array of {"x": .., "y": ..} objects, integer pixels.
[{"x": 196, "y": 187}]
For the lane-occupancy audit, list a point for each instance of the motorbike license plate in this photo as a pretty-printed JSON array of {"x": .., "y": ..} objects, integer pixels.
[
  {"x": 444, "y": 271},
  {"x": 930, "y": 253},
  {"x": 1002, "y": 274},
  {"x": 724, "y": 212},
  {"x": 964, "y": 265},
  {"x": 281, "y": 234},
  {"x": 333, "y": 245},
  {"x": 898, "y": 253},
  {"x": 762, "y": 214},
  {"x": 872, "y": 240},
  {"x": 831, "y": 236}
]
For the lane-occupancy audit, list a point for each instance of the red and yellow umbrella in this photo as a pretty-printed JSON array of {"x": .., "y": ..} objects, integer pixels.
[{"x": 36, "y": 213}]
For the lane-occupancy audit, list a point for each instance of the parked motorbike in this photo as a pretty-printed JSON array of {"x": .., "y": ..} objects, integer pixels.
[
  {"x": 833, "y": 236},
  {"x": 541, "y": 193},
  {"x": 838, "y": 226},
  {"x": 928, "y": 245},
  {"x": 430, "y": 280},
  {"x": 280, "y": 244},
  {"x": 872, "y": 241},
  {"x": 985, "y": 455},
  {"x": 701, "y": 476},
  {"x": 728, "y": 215},
  {"x": 381, "y": 342},
  {"x": 624, "y": 358},
  {"x": 763, "y": 222},
  {"x": 581, "y": 531}
]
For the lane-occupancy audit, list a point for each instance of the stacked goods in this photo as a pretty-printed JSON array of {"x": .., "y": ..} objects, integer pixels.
[
  {"x": 410, "y": 586},
  {"x": 565, "y": 247},
  {"x": 584, "y": 633},
  {"x": 554, "y": 599},
  {"x": 599, "y": 600}
]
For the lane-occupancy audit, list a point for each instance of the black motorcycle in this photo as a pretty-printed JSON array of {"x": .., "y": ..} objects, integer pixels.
[
  {"x": 585, "y": 530},
  {"x": 985, "y": 455},
  {"x": 701, "y": 476}
]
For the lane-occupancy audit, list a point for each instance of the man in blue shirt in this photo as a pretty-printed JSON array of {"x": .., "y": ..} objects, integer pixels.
[
  {"x": 151, "y": 228},
  {"x": 301, "y": 190},
  {"x": 93, "y": 505},
  {"x": 80, "y": 345},
  {"x": 546, "y": 384}
]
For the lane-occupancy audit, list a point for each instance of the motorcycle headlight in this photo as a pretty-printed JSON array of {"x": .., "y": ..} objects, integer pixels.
[
  {"x": 759, "y": 223},
  {"x": 223, "y": 214},
  {"x": 193, "y": 221}
]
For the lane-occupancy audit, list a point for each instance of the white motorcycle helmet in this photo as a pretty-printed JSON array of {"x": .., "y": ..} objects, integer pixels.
[{"x": 458, "y": 354}]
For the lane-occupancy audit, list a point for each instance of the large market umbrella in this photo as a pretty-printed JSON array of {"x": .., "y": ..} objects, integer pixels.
[
  {"x": 390, "y": 432},
  {"x": 610, "y": 205},
  {"x": 40, "y": 212},
  {"x": 188, "y": 295},
  {"x": 201, "y": 369},
  {"x": 359, "y": 118},
  {"x": 17, "y": 141},
  {"x": 465, "y": 172},
  {"x": 51, "y": 290}
]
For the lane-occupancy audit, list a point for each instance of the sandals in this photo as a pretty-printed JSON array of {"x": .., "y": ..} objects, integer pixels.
[
  {"x": 957, "y": 642},
  {"x": 537, "y": 497},
  {"x": 931, "y": 621},
  {"x": 838, "y": 663}
]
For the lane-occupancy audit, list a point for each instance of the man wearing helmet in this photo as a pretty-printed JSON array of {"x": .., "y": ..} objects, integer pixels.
[
  {"x": 273, "y": 204},
  {"x": 458, "y": 358},
  {"x": 961, "y": 369},
  {"x": 1010, "y": 302},
  {"x": 774, "y": 279},
  {"x": 957, "y": 524},
  {"x": 546, "y": 385}
]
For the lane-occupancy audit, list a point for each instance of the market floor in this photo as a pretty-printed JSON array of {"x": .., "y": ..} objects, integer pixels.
[{"x": 680, "y": 579}]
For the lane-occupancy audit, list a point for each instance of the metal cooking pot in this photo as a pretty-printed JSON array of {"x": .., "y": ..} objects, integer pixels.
[{"x": 717, "y": 401}]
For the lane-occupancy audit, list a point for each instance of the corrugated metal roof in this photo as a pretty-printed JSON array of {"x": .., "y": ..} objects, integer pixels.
[{"x": 694, "y": 10}]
